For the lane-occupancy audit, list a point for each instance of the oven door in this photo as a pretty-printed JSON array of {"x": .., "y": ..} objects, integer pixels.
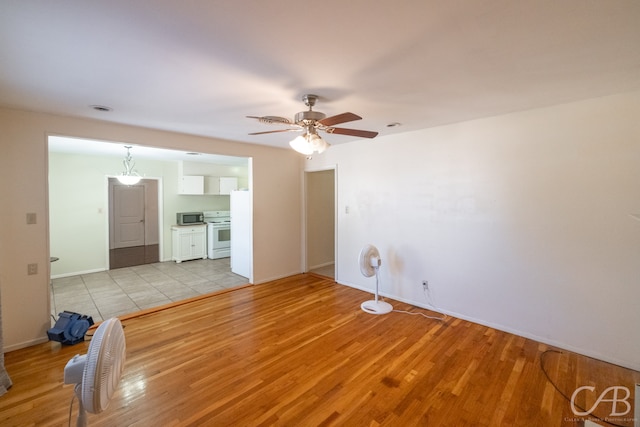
[
  {"x": 219, "y": 241},
  {"x": 222, "y": 236}
]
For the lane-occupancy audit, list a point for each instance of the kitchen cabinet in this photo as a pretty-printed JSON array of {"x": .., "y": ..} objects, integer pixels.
[
  {"x": 188, "y": 242},
  {"x": 220, "y": 185},
  {"x": 191, "y": 184}
]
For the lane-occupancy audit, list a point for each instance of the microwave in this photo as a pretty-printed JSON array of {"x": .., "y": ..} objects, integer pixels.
[{"x": 188, "y": 218}]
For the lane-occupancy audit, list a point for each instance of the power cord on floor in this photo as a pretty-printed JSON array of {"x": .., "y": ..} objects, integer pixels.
[
  {"x": 414, "y": 313},
  {"x": 567, "y": 398},
  {"x": 442, "y": 319},
  {"x": 428, "y": 298}
]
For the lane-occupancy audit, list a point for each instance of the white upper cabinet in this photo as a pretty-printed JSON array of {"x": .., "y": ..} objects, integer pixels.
[
  {"x": 191, "y": 184},
  {"x": 220, "y": 185},
  {"x": 206, "y": 179}
]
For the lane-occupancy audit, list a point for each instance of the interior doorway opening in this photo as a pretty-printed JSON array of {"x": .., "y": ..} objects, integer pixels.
[
  {"x": 83, "y": 279},
  {"x": 320, "y": 219}
]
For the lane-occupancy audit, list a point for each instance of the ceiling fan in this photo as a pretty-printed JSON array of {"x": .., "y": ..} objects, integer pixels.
[{"x": 310, "y": 122}]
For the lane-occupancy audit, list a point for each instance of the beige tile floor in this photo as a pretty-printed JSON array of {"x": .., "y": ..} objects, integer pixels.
[{"x": 126, "y": 290}]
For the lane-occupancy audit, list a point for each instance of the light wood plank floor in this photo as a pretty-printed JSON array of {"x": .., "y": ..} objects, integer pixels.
[{"x": 300, "y": 352}]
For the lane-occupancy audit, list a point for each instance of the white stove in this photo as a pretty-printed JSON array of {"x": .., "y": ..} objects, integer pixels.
[{"x": 218, "y": 233}]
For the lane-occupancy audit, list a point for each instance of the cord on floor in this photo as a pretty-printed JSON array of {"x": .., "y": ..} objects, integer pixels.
[
  {"x": 543, "y": 357},
  {"x": 442, "y": 319}
]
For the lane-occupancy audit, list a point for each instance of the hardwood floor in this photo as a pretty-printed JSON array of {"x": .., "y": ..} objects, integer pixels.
[{"x": 300, "y": 352}]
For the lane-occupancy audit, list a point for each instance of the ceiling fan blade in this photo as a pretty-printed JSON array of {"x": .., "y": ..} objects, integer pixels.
[
  {"x": 271, "y": 119},
  {"x": 340, "y": 118},
  {"x": 274, "y": 131},
  {"x": 352, "y": 132}
]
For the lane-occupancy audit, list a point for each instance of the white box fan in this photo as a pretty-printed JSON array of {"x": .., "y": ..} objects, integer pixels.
[
  {"x": 97, "y": 373},
  {"x": 369, "y": 261}
]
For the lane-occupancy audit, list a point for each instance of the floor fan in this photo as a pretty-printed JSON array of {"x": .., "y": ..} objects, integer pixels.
[
  {"x": 369, "y": 261},
  {"x": 97, "y": 373}
]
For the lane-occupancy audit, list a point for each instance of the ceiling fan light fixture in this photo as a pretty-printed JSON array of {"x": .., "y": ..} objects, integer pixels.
[
  {"x": 308, "y": 143},
  {"x": 318, "y": 144},
  {"x": 311, "y": 122},
  {"x": 129, "y": 176},
  {"x": 301, "y": 145}
]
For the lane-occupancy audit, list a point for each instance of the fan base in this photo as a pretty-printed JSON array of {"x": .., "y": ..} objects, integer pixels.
[{"x": 376, "y": 307}]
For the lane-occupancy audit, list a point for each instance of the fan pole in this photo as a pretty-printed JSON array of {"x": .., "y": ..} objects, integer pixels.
[
  {"x": 377, "y": 286},
  {"x": 81, "y": 421},
  {"x": 376, "y": 306}
]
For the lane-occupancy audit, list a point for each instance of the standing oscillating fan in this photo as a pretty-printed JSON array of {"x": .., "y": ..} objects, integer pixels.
[
  {"x": 97, "y": 373},
  {"x": 369, "y": 261}
]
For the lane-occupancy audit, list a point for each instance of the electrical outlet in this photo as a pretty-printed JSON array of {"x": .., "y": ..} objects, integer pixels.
[
  {"x": 425, "y": 285},
  {"x": 32, "y": 269}
]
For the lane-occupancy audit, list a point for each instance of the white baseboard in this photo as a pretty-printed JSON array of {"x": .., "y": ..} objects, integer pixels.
[
  {"x": 585, "y": 352},
  {"x": 270, "y": 279},
  {"x": 25, "y": 344},
  {"x": 77, "y": 273},
  {"x": 326, "y": 264}
]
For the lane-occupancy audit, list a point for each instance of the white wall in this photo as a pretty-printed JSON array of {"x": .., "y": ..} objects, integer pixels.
[
  {"x": 23, "y": 189},
  {"x": 522, "y": 222}
]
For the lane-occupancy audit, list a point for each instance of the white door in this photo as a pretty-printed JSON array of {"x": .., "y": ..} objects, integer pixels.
[{"x": 128, "y": 216}]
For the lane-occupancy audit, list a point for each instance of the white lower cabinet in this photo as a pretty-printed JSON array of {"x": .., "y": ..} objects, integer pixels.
[{"x": 189, "y": 242}]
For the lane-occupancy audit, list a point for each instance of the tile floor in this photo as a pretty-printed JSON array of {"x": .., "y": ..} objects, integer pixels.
[{"x": 126, "y": 290}]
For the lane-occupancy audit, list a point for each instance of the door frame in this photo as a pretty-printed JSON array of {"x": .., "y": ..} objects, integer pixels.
[
  {"x": 305, "y": 216},
  {"x": 160, "y": 216}
]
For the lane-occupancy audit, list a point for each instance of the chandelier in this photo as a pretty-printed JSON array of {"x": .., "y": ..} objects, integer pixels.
[{"x": 129, "y": 176}]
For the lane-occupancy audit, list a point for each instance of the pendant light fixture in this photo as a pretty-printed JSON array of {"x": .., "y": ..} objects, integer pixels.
[{"x": 129, "y": 176}]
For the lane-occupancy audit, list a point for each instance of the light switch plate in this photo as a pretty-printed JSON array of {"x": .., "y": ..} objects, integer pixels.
[{"x": 32, "y": 269}]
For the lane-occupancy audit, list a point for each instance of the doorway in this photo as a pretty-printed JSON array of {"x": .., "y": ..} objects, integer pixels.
[
  {"x": 320, "y": 214},
  {"x": 80, "y": 232},
  {"x": 133, "y": 223}
]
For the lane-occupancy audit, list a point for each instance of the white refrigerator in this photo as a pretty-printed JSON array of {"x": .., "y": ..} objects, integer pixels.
[{"x": 242, "y": 234}]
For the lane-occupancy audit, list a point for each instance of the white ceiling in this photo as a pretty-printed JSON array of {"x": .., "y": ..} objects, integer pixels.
[{"x": 201, "y": 66}]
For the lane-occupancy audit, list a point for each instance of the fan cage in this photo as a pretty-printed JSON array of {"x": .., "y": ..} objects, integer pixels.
[
  {"x": 366, "y": 254},
  {"x": 105, "y": 363}
]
